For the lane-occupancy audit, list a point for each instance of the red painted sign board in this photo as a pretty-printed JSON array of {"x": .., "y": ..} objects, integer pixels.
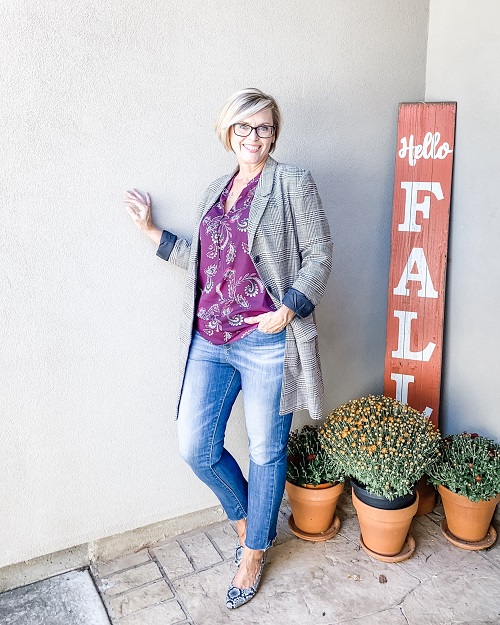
[{"x": 419, "y": 247}]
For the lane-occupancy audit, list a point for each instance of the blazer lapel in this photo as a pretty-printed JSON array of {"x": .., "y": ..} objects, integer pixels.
[
  {"x": 214, "y": 192},
  {"x": 261, "y": 198}
]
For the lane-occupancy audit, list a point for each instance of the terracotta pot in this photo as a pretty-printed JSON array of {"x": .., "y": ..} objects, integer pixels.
[
  {"x": 313, "y": 507},
  {"x": 427, "y": 496},
  {"x": 466, "y": 519},
  {"x": 384, "y": 531}
]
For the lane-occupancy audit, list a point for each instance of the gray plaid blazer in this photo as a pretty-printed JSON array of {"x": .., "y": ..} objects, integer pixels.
[{"x": 290, "y": 245}]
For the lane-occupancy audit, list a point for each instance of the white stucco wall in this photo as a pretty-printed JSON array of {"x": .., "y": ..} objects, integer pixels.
[
  {"x": 99, "y": 97},
  {"x": 463, "y": 66}
]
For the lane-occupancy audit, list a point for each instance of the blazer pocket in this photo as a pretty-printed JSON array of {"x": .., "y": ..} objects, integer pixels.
[{"x": 304, "y": 329}]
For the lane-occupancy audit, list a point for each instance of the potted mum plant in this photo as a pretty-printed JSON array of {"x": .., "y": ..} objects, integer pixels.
[
  {"x": 468, "y": 479},
  {"x": 314, "y": 485},
  {"x": 385, "y": 447}
]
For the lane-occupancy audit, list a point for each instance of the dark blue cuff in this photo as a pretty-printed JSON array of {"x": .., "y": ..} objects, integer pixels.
[
  {"x": 166, "y": 245},
  {"x": 298, "y": 302}
]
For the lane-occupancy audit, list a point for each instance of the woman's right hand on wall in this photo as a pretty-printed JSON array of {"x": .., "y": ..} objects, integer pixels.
[{"x": 139, "y": 209}]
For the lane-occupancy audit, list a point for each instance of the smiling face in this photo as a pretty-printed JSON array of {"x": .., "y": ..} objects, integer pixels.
[{"x": 252, "y": 151}]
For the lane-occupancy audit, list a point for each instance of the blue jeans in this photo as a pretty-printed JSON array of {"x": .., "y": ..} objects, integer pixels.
[{"x": 214, "y": 376}]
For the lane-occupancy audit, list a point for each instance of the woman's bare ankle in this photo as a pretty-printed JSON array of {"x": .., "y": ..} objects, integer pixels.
[
  {"x": 253, "y": 554},
  {"x": 241, "y": 528}
]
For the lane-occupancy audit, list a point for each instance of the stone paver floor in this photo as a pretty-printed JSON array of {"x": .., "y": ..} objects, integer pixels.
[
  {"x": 184, "y": 581},
  {"x": 66, "y": 599}
]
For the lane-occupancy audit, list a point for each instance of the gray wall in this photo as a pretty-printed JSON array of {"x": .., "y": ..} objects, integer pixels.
[
  {"x": 463, "y": 66},
  {"x": 102, "y": 96}
]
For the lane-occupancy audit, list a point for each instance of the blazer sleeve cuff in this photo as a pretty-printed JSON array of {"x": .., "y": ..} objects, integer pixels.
[
  {"x": 298, "y": 302},
  {"x": 167, "y": 243}
]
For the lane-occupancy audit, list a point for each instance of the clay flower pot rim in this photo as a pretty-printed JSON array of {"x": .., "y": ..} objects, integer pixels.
[
  {"x": 314, "y": 494},
  {"x": 322, "y": 485},
  {"x": 447, "y": 491}
]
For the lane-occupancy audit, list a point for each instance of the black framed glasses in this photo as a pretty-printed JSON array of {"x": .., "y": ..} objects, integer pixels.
[{"x": 265, "y": 131}]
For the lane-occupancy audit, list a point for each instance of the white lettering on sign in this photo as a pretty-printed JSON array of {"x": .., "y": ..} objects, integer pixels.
[
  {"x": 430, "y": 148},
  {"x": 405, "y": 318},
  {"x": 417, "y": 257},
  {"x": 402, "y": 382},
  {"x": 412, "y": 206}
]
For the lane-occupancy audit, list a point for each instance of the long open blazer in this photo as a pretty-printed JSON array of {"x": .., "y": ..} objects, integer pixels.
[{"x": 290, "y": 245}]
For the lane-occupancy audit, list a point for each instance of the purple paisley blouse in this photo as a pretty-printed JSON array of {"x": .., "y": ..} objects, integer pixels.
[{"x": 229, "y": 288}]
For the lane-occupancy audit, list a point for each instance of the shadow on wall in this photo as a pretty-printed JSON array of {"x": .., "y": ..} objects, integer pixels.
[{"x": 352, "y": 315}]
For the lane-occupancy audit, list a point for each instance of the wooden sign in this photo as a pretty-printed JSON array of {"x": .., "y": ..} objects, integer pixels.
[{"x": 419, "y": 245}]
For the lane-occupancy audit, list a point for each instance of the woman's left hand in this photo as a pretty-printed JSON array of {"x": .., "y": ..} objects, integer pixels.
[{"x": 272, "y": 322}]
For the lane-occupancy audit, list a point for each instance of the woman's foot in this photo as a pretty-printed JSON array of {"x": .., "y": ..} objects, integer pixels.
[
  {"x": 249, "y": 568},
  {"x": 247, "y": 579}
]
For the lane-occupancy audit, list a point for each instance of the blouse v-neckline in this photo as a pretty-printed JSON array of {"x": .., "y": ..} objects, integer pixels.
[{"x": 243, "y": 189}]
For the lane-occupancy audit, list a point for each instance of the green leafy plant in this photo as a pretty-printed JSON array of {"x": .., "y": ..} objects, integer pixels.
[
  {"x": 469, "y": 465},
  {"x": 307, "y": 462},
  {"x": 383, "y": 444}
]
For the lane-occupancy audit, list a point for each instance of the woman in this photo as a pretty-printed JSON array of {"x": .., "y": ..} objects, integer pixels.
[{"x": 257, "y": 266}]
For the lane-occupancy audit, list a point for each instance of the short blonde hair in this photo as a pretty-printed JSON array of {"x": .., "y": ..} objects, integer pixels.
[{"x": 241, "y": 104}]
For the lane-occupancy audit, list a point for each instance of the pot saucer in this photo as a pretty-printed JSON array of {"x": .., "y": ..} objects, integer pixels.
[
  {"x": 329, "y": 533},
  {"x": 405, "y": 553},
  {"x": 487, "y": 541}
]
